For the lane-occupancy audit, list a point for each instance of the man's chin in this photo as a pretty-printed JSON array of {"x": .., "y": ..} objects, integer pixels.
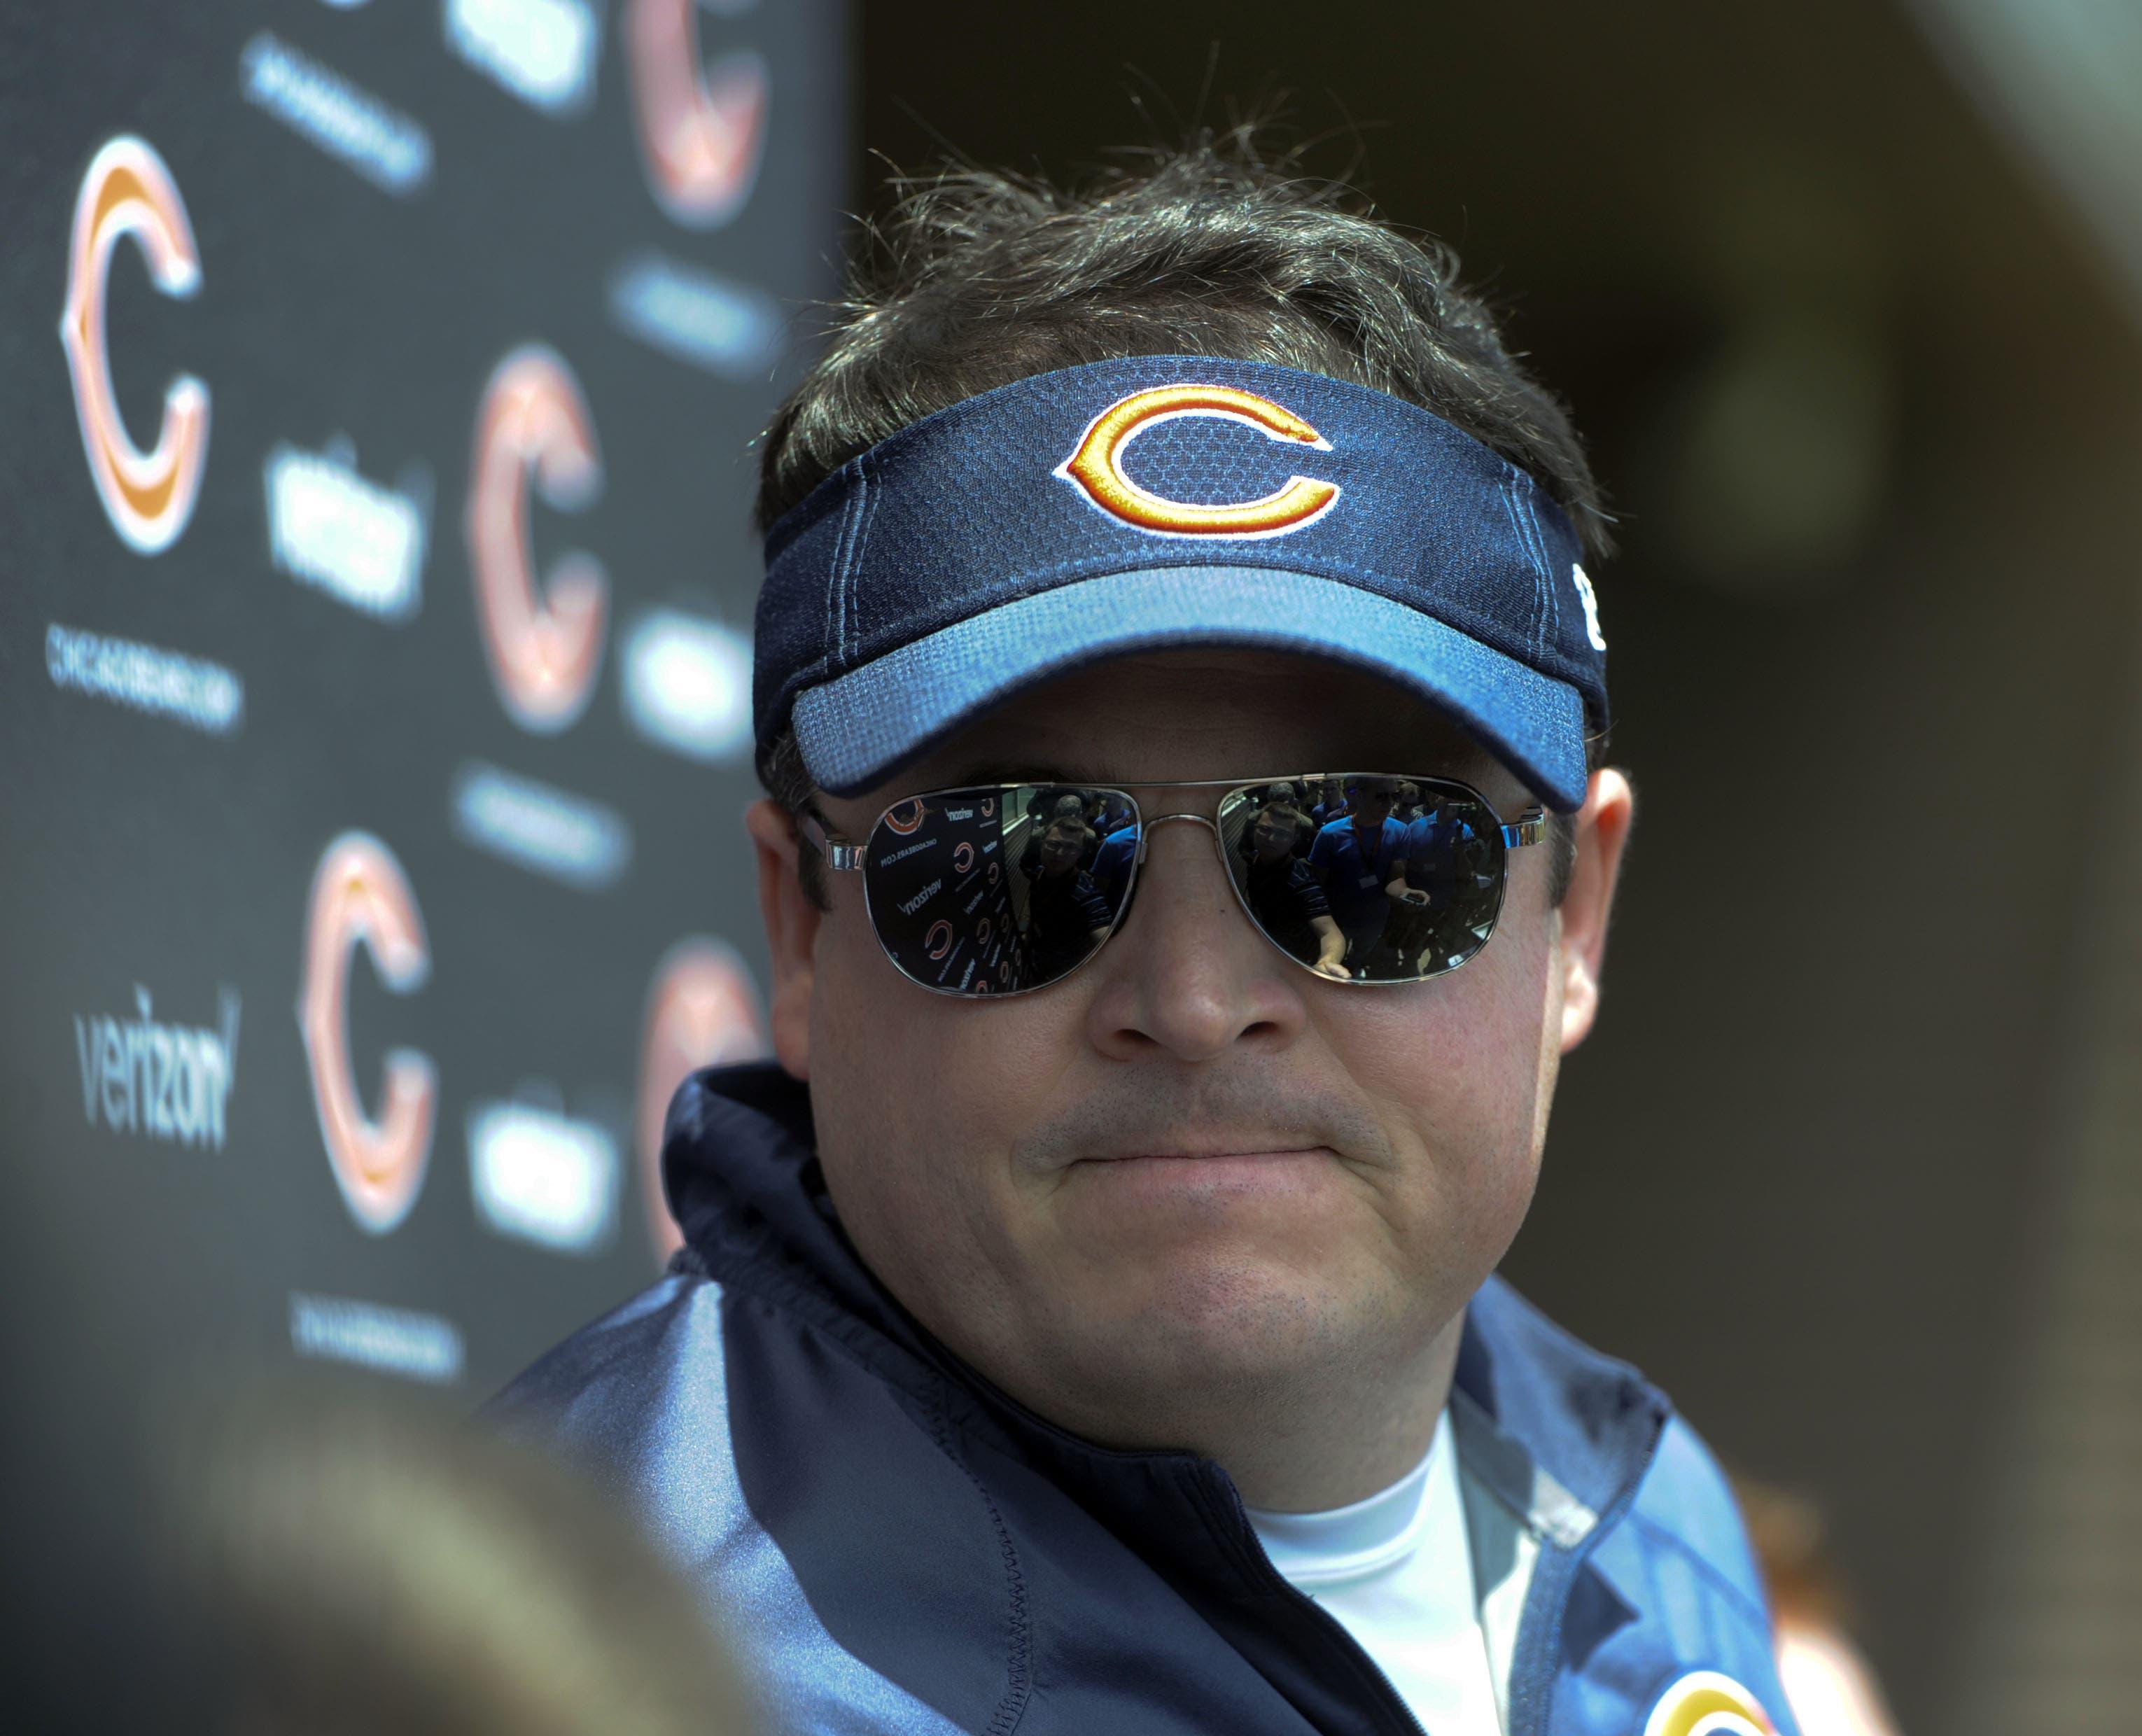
[{"x": 1213, "y": 1327}]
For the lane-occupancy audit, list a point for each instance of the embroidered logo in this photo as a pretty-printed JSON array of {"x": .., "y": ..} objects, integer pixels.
[
  {"x": 1703, "y": 1703},
  {"x": 1096, "y": 465},
  {"x": 1590, "y": 599}
]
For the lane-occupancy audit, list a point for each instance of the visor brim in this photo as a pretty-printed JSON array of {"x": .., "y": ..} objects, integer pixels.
[{"x": 861, "y": 727}]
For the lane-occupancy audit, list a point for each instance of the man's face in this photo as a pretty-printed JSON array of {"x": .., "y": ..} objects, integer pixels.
[
  {"x": 1372, "y": 805},
  {"x": 1061, "y": 847},
  {"x": 1194, "y": 1175},
  {"x": 1274, "y": 836}
]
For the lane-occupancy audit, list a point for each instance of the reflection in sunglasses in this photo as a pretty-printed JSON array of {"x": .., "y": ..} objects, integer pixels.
[{"x": 1377, "y": 880}]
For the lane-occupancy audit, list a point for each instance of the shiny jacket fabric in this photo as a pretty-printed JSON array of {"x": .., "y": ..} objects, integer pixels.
[{"x": 903, "y": 1549}]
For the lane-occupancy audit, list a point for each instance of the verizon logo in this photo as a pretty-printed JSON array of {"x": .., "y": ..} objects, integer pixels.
[{"x": 139, "y": 1075}]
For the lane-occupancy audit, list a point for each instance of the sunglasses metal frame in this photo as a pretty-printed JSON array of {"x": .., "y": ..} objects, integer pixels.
[{"x": 846, "y": 856}]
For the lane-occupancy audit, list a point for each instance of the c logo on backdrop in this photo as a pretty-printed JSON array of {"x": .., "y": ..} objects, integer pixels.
[
  {"x": 360, "y": 896},
  {"x": 1095, "y": 466},
  {"x": 701, "y": 128},
  {"x": 702, "y": 1010},
  {"x": 149, "y": 495},
  {"x": 546, "y": 650},
  {"x": 1706, "y": 1704}
]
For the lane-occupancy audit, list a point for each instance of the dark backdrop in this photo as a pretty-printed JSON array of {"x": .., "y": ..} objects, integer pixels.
[{"x": 385, "y": 200}]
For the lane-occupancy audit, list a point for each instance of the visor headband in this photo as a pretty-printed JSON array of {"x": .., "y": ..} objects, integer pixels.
[{"x": 1170, "y": 465}]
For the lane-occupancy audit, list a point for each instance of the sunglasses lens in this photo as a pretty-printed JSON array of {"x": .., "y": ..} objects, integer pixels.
[
  {"x": 990, "y": 892},
  {"x": 1315, "y": 865}
]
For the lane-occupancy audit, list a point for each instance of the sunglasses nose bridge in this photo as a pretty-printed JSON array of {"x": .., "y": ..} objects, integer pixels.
[{"x": 1146, "y": 831}]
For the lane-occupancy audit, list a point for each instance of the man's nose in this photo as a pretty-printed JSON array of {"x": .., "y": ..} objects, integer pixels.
[{"x": 1188, "y": 976}]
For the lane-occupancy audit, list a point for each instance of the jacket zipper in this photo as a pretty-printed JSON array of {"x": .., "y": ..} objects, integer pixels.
[
  {"x": 1273, "y": 1579},
  {"x": 1533, "y": 1667}
]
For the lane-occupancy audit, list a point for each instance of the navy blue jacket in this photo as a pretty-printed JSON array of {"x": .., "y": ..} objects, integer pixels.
[{"x": 905, "y": 1549}]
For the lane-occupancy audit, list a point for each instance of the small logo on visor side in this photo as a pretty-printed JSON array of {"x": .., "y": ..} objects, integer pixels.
[
  {"x": 1095, "y": 466},
  {"x": 1590, "y": 599}
]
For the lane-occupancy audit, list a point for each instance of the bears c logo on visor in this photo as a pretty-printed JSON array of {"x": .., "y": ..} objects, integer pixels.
[
  {"x": 1096, "y": 466},
  {"x": 1706, "y": 1704}
]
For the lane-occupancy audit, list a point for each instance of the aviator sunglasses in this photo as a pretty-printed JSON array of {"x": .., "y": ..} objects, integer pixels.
[{"x": 1365, "y": 878}]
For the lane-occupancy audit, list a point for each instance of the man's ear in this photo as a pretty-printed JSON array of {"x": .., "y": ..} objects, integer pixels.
[
  {"x": 792, "y": 932},
  {"x": 1602, "y": 831}
]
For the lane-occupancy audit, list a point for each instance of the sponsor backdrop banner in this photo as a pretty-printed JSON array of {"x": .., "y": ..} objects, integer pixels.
[{"x": 375, "y": 385}]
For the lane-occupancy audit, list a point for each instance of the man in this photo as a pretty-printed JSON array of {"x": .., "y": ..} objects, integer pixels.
[
  {"x": 1118, "y": 1351},
  {"x": 1066, "y": 915},
  {"x": 1438, "y": 868},
  {"x": 1282, "y": 894},
  {"x": 1285, "y": 794},
  {"x": 1113, "y": 862},
  {"x": 1359, "y": 859}
]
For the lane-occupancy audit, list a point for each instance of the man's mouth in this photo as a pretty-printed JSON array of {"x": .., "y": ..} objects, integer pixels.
[{"x": 1211, "y": 1173}]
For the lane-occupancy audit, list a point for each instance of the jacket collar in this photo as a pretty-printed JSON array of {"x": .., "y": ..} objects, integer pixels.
[{"x": 1559, "y": 1433}]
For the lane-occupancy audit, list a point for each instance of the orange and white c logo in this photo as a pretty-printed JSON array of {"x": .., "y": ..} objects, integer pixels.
[
  {"x": 1096, "y": 466},
  {"x": 360, "y": 895},
  {"x": 700, "y": 131},
  {"x": 545, "y": 654},
  {"x": 128, "y": 191},
  {"x": 701, "y": 1009},
  {"x": 1706, "y": 1704}
]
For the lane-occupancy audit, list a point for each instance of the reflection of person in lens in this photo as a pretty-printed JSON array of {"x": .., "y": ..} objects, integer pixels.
[
  {"x": 1111, "y": 864},
  {"x": 1288, "y": 905},
  {"x": 1355, "y": 857},
  {"x": 1333, "y": 804},
  {"x": 1283, "y": 796},
  {"x": 1066, "y": 916},
  {"x": 1045, "y": 810},
  {"x": 1445, "y": 863}
]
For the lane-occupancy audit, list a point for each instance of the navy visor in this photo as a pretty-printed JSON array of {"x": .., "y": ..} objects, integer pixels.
[{"x": 1165, "y": 502}]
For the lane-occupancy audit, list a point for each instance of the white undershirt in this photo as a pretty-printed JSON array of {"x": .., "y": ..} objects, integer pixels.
[{"x": 1396, "y": 1571}]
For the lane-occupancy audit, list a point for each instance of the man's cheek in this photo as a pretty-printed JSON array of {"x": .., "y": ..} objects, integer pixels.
[
  {"x": 1459, "y": 1073},
  {"x": 909, "y": 1084},
  {"x": 1465, "y": 1052}
]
